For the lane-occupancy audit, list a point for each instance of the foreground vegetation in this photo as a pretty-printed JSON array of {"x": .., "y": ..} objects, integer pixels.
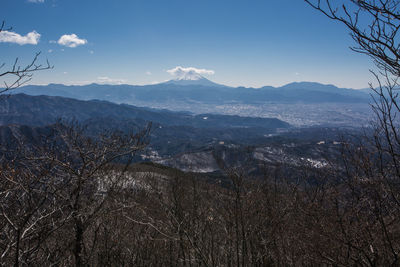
[{"x": 66, "y": 202}]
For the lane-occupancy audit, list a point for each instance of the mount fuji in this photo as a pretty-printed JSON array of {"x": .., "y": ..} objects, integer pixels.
[{"x": 192, "y": 78}]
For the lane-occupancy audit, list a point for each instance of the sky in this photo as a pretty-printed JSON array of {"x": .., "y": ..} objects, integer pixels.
[{"x": 251, "y": 43}]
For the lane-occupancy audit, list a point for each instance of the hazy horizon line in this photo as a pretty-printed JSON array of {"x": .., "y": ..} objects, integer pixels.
[{"x": 84, "y": 83}]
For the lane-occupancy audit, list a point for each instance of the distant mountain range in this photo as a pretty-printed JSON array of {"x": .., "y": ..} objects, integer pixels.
[{"x": 203, "y": 91}]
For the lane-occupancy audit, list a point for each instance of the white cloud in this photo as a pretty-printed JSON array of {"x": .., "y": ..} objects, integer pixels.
[
  {"x": 71, "y": 40},
  {"x": 36, "y": 1},
  {"x": 107, "y": 80},
  {"x": 181, "y": 72},
  {"x": 148, "y": 73},
  {"x": 50, "y": 50},
  {"x": 12, "y": 37},
  {"x": 91, "y": 52}
]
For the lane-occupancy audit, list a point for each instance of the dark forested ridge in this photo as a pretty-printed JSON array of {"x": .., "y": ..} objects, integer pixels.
[{"x": 42, "y": 110}]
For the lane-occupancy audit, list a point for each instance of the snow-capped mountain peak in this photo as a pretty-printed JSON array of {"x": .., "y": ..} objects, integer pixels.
[{"x": 190, "y": 76}]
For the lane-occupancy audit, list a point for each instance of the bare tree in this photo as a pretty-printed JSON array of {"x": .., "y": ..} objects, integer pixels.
[
  {"x": 19, "y": 75},
  {"x": 52, "y": 194},
  {"x": 373, "y": 25},
  {"x": 368, "y": 206}
]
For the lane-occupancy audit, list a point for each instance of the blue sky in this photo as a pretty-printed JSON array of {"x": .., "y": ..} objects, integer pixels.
[{"x": 243, "y": 42}]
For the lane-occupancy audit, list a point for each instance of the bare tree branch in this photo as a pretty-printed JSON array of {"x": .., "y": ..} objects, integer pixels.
[{"x": 21, "y": 75}]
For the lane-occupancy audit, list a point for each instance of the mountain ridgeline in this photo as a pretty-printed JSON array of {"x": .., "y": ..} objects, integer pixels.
[
  {"x": 202, "y": 91},
  {"x": 24, "y": 116},
  {"x": 43, "y": 110}
]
